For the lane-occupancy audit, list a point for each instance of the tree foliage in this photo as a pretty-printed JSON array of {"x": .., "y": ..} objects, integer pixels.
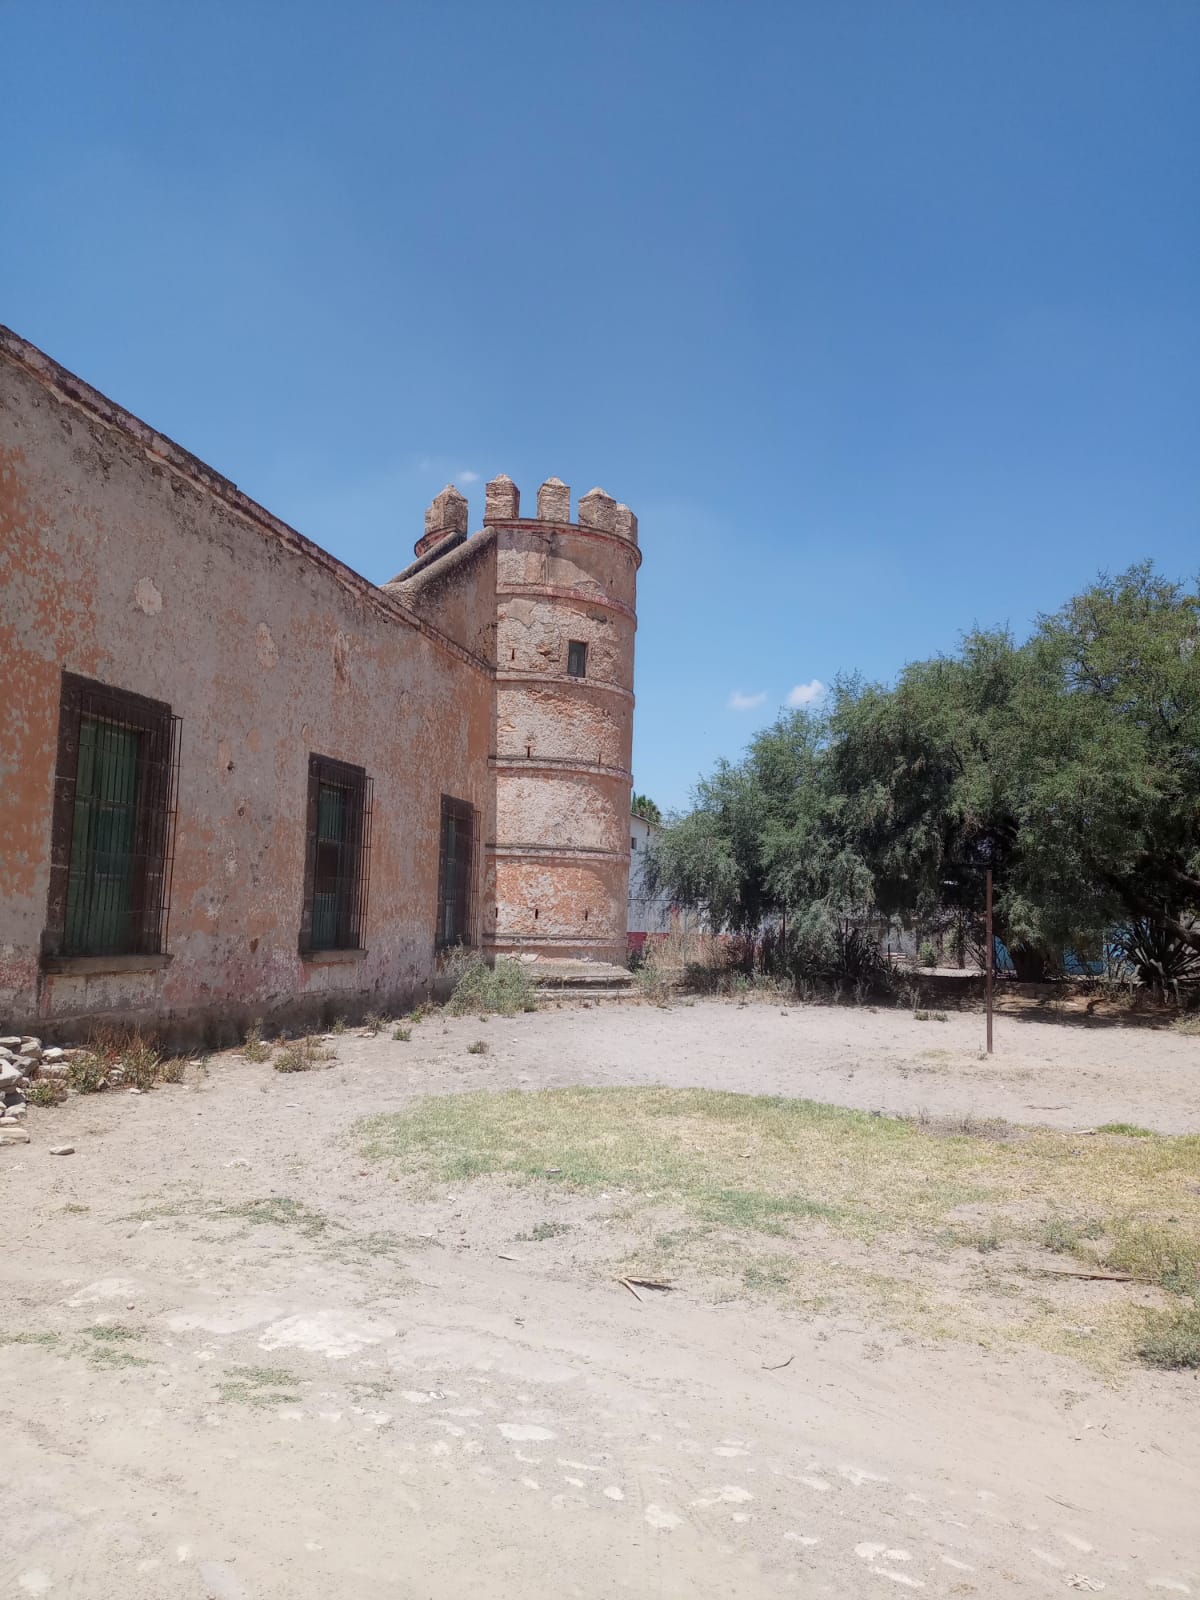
[
  {"x": 643, "y": 806},
  {"x": 1070, "y": 764}
]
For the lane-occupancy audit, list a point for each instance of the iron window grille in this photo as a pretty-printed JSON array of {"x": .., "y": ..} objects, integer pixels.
[
  {"x": 456, "y": 873},
  {"x": 112, "y": 843},
  {"x": 576, "y": 658},
  {"x": 337, "y": 856}
]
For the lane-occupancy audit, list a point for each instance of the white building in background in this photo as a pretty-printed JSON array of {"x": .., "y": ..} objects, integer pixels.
[{"x": 649, "y": 917}]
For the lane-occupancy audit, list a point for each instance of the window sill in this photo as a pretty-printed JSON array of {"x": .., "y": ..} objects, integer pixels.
[
  {"x": 84, "y": 966},
  {"x": 325, "y": 958}
]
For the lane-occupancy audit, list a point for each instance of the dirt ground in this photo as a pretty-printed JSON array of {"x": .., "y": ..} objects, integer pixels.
[{"x": 239, "y": 1360}]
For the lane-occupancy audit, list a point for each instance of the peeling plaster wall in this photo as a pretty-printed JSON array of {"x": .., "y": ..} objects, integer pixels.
[
  {"x": 123, "y": 560},
  {"x": 563, "y": 745}
]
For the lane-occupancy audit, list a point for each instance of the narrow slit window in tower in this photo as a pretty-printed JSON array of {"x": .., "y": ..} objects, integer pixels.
[{"x": 577, "y": 658}]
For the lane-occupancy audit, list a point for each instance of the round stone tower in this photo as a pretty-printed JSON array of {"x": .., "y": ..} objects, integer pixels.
[{"x": 565, "y": 600}]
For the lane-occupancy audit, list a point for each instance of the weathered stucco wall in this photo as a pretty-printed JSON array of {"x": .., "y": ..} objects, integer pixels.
[
  {"x": 123, "y": 559},
  {"x": 457, "y": 594}
]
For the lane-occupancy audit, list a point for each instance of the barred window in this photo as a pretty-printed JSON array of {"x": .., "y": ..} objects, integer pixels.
[
  {"x": 577, "y": 658},
  {"x": 456, "y": 871},
  {"x": 113, "y": 831},
  {"x": 337, "y": 871}
]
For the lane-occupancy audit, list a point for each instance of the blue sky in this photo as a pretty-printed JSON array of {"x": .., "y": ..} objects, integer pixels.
[{"x": 882, "y": 316}]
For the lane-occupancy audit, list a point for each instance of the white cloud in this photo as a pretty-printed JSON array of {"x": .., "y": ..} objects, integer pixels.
[
  {"x": 469, "y": 477},
  {"x": 804, "y": 694},
  {"x": 746, "y": 702}
]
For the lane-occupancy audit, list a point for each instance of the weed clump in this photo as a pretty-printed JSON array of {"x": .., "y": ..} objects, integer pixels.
[
  {"x": 506, "y": 987},
  {"x": 479, "y": 1048},
  {"x": 46, "y": 1092},
  {"x": 303, "y": 1056},
  {"x": 402, "y": 1035},
  {"x": 255, "y": 1047},
  {"x": 141, "y": 1063},
  {"x": 87, "y": 1073}
]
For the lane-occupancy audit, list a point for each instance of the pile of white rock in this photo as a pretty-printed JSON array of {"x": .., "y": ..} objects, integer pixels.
[{"x": 22, "y": 1060}]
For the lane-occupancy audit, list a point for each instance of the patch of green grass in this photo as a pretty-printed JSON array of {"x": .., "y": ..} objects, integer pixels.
[
  {"x": 479, "y": 1048},
  {"x": 402, "y": 1035},
  {"x": 721, "y": 1168},
  {"x": 749, "y": 1162},
  {"x": 113, "y": 1332},
  {"x": 259, "y": 1387},
  {"x": 1127, "y": 1130},
  {"x": 543, "y": 1230},
  {"x": 1159, "y": 1253},
  {"x": 107, "y": 1355},
  {"x": 1065, "y": 1235},
  {"x": 762, "y": 1213},
  {"x": 303, "y": 1056},
  {"x": 29, "y": 1336},
  {"x": 766, "y": 1277},
  {"x": 1171, "y": 1338},
  {"x": 986, "y": 1240},
  {"x": 274, "y": 1211},
  {"x": 478, "y": 987},
  {"x": 338, "y": 1025}
]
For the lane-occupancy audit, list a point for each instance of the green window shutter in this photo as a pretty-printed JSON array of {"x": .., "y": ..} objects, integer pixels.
[{"x": 103, "y": 840}]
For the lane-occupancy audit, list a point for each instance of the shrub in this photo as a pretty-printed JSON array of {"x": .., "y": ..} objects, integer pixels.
[
  {"x": 172, "y": 1070},
  {"x": 506, "y": 987},
  {"x": 928, "y": 956},
  {"x": 479, "y": 1048},
  {"x": 402, "y": 1035},
  {"x": 374, "y": 1022}
]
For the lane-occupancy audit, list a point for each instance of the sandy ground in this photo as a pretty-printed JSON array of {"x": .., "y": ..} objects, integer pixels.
[{"x": 329, "y": 1390}]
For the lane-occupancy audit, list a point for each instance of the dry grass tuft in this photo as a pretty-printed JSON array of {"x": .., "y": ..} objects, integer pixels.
[{"x": 303, "y": 1056}]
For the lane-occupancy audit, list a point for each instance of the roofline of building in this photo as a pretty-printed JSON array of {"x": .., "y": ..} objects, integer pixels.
[{"x": 165, "y": 452}]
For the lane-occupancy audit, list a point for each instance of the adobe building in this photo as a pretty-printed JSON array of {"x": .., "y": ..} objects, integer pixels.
[{"x": 238, "y": 781}]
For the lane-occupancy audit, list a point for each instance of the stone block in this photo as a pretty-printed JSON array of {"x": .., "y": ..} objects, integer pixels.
[{"x": 554, "y": 501}]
